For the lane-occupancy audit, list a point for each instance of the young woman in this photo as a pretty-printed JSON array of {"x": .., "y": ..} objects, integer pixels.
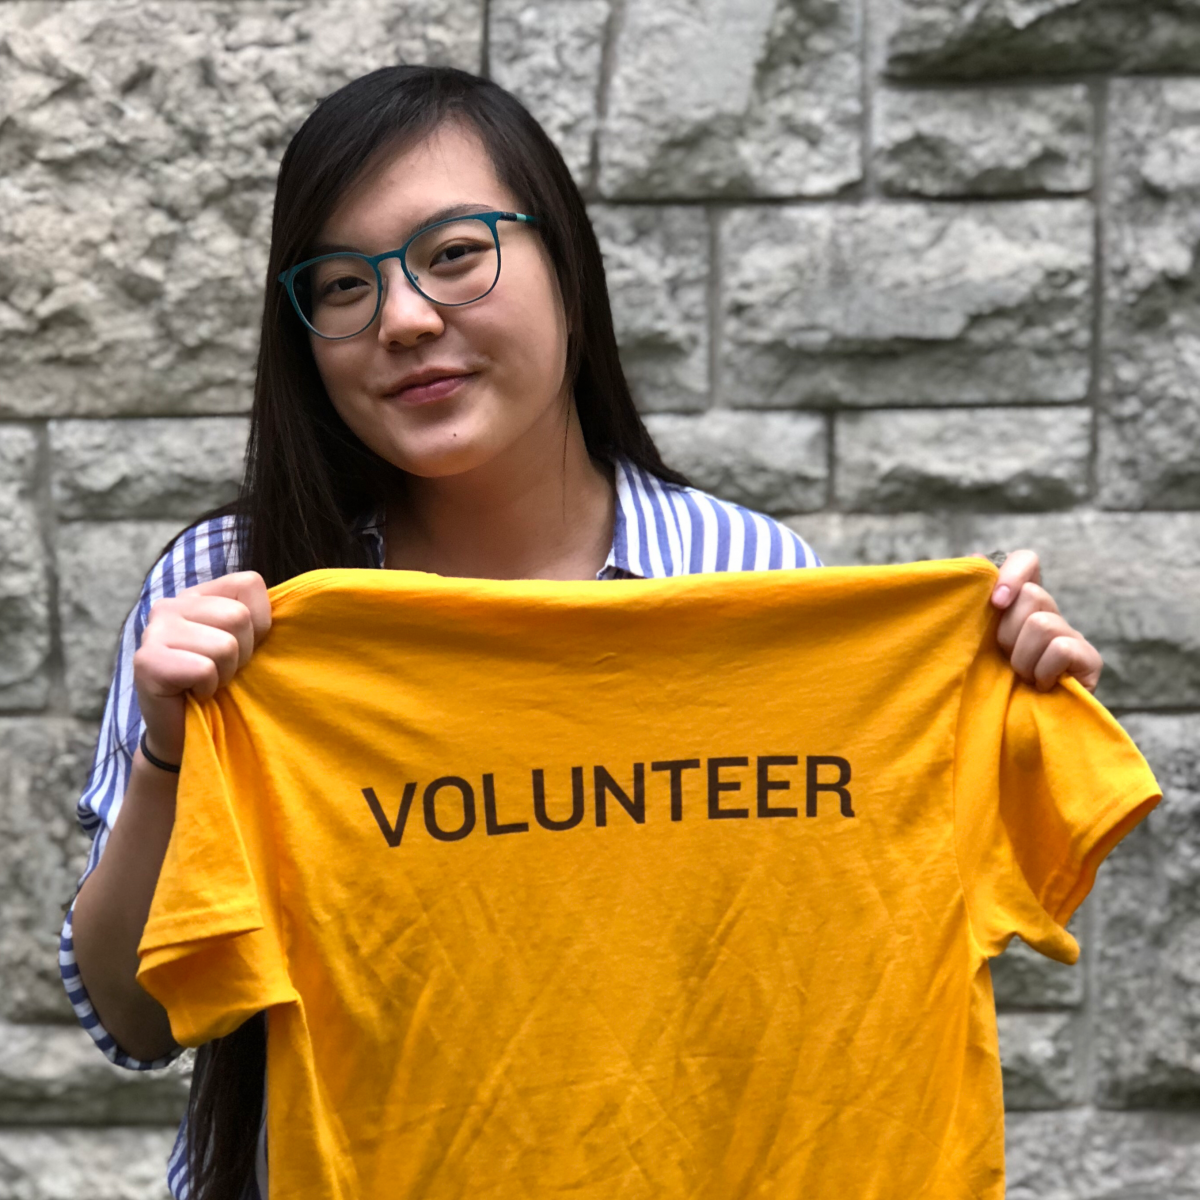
[{"x": 438, "y": 390}]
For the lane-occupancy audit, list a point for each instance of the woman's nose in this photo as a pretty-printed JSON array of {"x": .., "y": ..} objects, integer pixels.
[{"x": 405, "y": 316}]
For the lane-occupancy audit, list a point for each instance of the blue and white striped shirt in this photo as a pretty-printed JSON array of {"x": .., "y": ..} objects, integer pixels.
[{"x": 660, "y": 530}]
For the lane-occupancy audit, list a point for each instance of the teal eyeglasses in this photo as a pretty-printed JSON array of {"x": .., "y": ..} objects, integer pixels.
[{"x": 451, "y": 262}]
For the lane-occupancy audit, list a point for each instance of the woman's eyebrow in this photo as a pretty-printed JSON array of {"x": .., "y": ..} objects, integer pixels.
[{"x": 442, "y": 214}]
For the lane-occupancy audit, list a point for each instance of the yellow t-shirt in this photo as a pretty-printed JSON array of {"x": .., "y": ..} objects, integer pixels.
[{"x": 647, "y": 889}]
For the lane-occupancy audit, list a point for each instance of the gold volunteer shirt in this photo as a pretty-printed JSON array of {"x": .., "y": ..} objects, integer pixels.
[{"x": 650, "y": 889}]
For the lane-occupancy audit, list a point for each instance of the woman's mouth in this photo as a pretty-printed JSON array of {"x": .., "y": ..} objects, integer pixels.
[{"x": 428, "y": 390}]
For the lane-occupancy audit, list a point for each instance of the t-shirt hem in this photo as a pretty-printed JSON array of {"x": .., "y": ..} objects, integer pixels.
[
  {"x": 197, "y": 928},
  {"x": 1118, "y": 817}
]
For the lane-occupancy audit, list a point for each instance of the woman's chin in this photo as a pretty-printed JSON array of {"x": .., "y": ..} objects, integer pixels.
[{"x": 458, "y": 456}]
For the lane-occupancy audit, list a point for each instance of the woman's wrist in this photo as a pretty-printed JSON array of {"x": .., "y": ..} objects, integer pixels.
[{"x": 156, "y": 760}]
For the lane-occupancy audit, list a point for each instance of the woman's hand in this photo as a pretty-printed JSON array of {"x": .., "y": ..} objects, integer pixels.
[
  {"x": 1040, "y": 644},
  {"x": 196, "y": 641}
]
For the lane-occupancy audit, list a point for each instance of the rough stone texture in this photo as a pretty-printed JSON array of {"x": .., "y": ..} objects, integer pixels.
[
  {"x": 1129, "y": 581},
  {"x": 1023, "y": 978},
  {"x": 549, "y": 53},
  {"x": 1002, "y": 458},
  {"x": 984, "y": 142},
  {"x": 1147, "y": 1034},
  {"x": 947, "y": 38},
  {"x": 1150, "y": 418},
  {"x": 657, "y": 264},
  {"x": 54, "y": 1076},
  {"x": 775, "y": 462},
  {"x": 780, "y": 233},
  {"x": 101, "y": 569},
  {"x": 1089, "y": 1155},
  {"x": 907, "y": 303},
  {"x": 733, "y": 98},
  {"x": 145, "y": 468},
  {"x": 42, "y": 766},
  {"x": 1038, "y": 1054},
  {"x": 137, "y": 159},
  {"x": 24, "y": 586},
  {"x": 73, "y": 1164}
]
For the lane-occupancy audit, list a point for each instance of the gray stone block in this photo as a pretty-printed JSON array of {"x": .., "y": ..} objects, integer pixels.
[
  {"x": 549, "y": 53},
  {"x": 140, "y": 148},
  {"x": 56, "y": 1076},
  {"x": 907, "y": 303},
  {"x": 856, "y": 539},
  {"x": 1088, "y": 1155},
  {"x": 146, "y": 468},
  {"x": 43, "y": 763},
  {"x": 949, "y": 39},
  {"x": 1023, "y": 978},
  {"x": 1149, "y": 428},
  {"x": 24, "y": 583},
  {"x": 1000, "y": 458},
  {"x": 1147, "y": 1023},
  {"x": 1128, "y": 581},
  {"x": 101, "y": 569},
  {"x": 758, "y": 98},
  {"x": 84, "y": 1164},
  {"x": 1037, "y": 1052},
  {"x": 657, "y": 263},
  {"x": 984, "y": 141},
  {"x": 773, "y": 462}
]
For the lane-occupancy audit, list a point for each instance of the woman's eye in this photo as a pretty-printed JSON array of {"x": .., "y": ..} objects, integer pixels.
[
  {"x": 455, "y": 253},
  {"x": 343, "y": 288}
]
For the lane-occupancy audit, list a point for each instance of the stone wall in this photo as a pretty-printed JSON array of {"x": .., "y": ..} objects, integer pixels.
[{"x": 920, "y": 276}]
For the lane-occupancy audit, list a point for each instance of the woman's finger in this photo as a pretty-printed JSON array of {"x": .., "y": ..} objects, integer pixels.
[
  {"x": 178, "y": 636},
  {"x": 1032, "y": 599},
  {"x": 1020, "y": 567},
  {"x": 219, "y": 612},
  {"x": 1037, "y": 632},
  {"x": 248, "y": 588},
  {"x": 164, "y": 673},
  {"x": 1060, "y": 657},
  {"x": 1069, "y": 655}
]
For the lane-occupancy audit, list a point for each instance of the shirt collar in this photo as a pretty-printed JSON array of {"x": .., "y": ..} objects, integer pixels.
[{"x": 640, "y": 531}]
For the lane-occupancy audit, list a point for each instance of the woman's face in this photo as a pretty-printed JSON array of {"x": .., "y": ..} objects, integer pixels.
[{"x": 439, "y": 391}]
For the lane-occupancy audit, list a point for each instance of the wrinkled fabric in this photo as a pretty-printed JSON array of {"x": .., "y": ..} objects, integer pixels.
[{"x": 663, "y": 888}]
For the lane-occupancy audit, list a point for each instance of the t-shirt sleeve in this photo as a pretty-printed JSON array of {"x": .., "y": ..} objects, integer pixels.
[
  {"x": 1047, "y": 783},
  {"x": 210, "y": 951}
]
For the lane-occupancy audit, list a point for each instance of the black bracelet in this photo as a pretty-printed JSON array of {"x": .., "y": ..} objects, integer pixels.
[{"x": 154, "y": 760}]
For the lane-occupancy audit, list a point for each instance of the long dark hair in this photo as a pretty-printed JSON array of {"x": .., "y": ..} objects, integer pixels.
[{"x": 309, "y": 480}]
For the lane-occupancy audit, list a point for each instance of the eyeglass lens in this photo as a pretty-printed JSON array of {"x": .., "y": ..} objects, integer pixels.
[{"x": 451, "y": 264}]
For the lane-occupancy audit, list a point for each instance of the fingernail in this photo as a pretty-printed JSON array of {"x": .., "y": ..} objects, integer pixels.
[{"x": 1002, "y": 594}]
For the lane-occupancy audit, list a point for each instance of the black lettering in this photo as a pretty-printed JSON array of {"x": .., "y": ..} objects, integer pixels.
[
  {"x": 605, "y": 783},
  {"x": 468, "y": 802},
  {"x": 539, "y": 801},
  {"x": 767, "y": 785},
  {"x": 489, "y": 812},
  {"x": 717, "y": 785},
  {"x": 393, "y": 834},
  {"x": 677, "y": 766},
  {"x": 815, "y": 763}
]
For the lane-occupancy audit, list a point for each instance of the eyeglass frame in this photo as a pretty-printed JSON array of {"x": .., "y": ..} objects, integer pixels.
[{"x": 490, "y": 219}]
